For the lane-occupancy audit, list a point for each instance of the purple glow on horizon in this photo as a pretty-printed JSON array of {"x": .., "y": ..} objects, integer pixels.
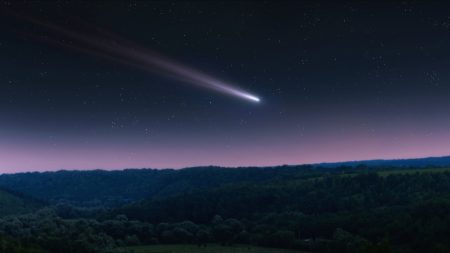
[{"x": 268, "y": 152}]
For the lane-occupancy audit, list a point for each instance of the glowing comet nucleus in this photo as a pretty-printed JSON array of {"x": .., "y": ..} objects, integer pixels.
[
  {"x": 113, "y": 48},
  {"x": 244, "y": 95},
  {"x": 253, "y": 98}
]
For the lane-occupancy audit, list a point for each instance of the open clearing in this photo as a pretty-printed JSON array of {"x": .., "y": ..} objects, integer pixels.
[
  {"x": 208, "y": 249},
  {"x": 412, "y": 171}
]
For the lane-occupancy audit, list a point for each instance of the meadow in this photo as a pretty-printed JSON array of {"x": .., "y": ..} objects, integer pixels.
[
  {"x": 212, "y": 248},
  {"x": 413, "y": 171}
]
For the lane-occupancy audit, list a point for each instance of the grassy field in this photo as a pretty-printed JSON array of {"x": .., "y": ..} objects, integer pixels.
[
  {"x": 208, "y": 249},
  {"x": 399, "y": 171},
  {"x": 412, "y": 171}
]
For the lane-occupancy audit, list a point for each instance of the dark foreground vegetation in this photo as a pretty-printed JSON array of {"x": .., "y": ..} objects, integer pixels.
[{"x": 344, "y": 209}]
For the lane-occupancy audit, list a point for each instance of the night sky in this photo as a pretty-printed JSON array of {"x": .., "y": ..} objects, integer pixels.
[{"x": 336, "y": 82}]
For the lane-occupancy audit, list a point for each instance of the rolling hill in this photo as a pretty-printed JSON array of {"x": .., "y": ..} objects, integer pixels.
[
  {"x": 114, "y": 188},
  {"x": 14, "y": 203},
  {"x": 415, "y": 162},
  {"x": 99, "y": 188}
]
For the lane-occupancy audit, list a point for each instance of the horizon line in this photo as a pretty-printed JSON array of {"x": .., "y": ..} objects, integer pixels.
[{"x": 231, "y": 167}]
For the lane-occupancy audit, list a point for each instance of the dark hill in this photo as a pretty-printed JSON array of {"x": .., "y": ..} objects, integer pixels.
[
  {"x": 330, "y": 194},
  {"x": 98, "y": 188},
  {"x": 113, "y": 188},
  {"x": 15, "y": 203},
  {"x": 416, "y": 162}
]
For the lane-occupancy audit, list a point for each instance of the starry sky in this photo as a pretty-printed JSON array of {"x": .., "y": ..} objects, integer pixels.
[{"x": 337, "y": 82}]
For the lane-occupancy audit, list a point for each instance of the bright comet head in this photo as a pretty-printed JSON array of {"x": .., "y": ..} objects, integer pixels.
[
  {"x": 253, "y": 98},
  {"x": 239, "y": 93}
]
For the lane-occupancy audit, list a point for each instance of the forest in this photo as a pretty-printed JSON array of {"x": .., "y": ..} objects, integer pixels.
[{"x": 304, "y": 208}]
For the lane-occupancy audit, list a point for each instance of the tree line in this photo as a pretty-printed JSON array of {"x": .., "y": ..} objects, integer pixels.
[{"x": 400, "y": 212}]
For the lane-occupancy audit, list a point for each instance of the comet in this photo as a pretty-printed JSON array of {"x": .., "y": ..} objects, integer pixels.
[{"x": 112, "y": 47}]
